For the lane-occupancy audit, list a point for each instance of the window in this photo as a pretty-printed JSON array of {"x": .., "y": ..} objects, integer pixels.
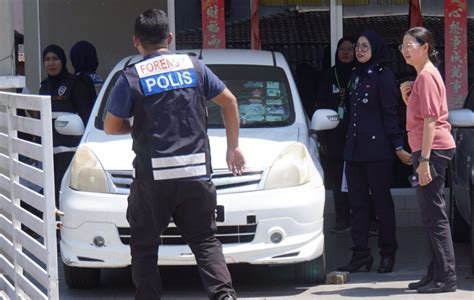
[
  {"x": 99, "y": 119},
  {"x": 262, "y": 93}
]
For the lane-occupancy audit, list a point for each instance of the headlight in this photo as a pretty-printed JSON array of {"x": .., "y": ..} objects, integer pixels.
[
  {"x": 87, "y": 174},
  {"x": 291, "y": 168}
]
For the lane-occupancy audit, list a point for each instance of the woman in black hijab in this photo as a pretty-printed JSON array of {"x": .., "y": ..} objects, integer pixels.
[
  {"x": 85, "y": 62},
  {"x": 332, "y": 94},
  {"x": 68, "y": 95},
  {"x": 373, "y": 139}
]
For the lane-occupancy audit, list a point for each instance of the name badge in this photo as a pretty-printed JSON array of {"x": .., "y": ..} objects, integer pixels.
[
  {"x": 340, "y": 112},
  {"x": 335, "y": 89}
]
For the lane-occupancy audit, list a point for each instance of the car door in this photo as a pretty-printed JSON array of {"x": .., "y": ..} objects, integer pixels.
[{"x": 463, "y": 166}]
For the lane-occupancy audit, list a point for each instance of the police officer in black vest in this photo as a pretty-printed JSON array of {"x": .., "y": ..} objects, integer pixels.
[
  {"x": 373, "y": 138},
  {"x": 69, "y": 94},
  {"x": 166, "y": 94}
]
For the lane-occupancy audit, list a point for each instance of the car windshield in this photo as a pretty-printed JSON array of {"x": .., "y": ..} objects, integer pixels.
[{"x": 262, "y": 93}]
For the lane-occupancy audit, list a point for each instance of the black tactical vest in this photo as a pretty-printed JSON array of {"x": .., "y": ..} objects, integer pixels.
[
  {"x": 61, "y": 103},
  {"x": 169, "y": 118}
]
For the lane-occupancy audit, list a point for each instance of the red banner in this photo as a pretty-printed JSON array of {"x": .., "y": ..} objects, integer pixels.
[
  {"x": 213, "y": 24},
  {"x": 455, "y": 57},
  {"x": 255, "y": 41},
  {"x": 414, "y": 14}
]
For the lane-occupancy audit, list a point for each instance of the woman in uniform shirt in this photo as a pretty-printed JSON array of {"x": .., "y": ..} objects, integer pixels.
[
  {"x": 84, "y": 59},
  {"x": 68, "y": 95},
  {"x": 373, "y": 138}
]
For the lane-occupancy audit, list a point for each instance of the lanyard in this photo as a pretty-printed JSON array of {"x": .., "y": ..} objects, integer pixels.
[
  {"x": 337, "y": 80},
  {"x": 341, "y": 103},
  {"x": 342, "y": 93}
]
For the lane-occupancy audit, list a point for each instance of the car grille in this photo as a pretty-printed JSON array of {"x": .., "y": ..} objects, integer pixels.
[
  {"x": 224, "y": 181},
  {"x": 225, "y": 234}
]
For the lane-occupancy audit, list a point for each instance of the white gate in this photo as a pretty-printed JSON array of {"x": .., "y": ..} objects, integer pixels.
[{"x": 28, "y": 251}]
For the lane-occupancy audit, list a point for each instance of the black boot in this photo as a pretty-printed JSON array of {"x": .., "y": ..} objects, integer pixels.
[
  {"x": 422, "y": 282},
  {"x": 438, "y": 287},
  {"x": 360, "y": 259},
  {"x": 386, "y": 264}
]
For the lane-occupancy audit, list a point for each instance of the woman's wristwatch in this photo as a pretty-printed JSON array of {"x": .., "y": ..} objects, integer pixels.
[{"x": 423, "y": 159}]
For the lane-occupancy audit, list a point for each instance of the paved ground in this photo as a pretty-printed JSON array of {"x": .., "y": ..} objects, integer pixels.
[{"x": 277, "y": 283}]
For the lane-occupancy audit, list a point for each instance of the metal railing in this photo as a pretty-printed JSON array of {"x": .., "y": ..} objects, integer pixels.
[{"x": 28, "y": 249}]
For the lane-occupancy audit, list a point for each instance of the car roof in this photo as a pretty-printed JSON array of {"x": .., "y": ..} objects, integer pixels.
[
  {"x": 222, "y": 56},
  {"x": 234, "y": 56}
]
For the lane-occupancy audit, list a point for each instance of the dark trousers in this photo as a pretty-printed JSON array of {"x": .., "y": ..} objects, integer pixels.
[
  {"x": 61, "y": 163},
  {"x": 191, "y": 204},
  {"x": 434, "y": 216},
  {"x": 333, "y": 169},
  {"x": 376, "y": 177}
]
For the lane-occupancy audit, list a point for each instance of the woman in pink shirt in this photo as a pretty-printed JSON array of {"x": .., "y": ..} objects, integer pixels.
[{"x": 430, "y": 139}]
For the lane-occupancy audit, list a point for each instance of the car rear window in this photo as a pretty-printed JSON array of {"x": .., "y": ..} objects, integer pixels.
[{"x": 262, "y": 93}]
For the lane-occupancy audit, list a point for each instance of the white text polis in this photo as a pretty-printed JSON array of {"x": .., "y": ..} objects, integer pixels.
[{"x": 166, "y": 72}]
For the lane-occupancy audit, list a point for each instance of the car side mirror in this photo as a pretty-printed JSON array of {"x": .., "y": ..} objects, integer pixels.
[
  {"x": 461, "y": 117},
  {"x": 70, "y": 124},
  {"x": 324, "y": 119}
]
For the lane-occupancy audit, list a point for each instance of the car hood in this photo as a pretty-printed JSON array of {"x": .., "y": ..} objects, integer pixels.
[{"x": 260, "y": 147}]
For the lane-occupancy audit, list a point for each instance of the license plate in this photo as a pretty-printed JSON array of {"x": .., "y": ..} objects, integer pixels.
[{"x": 219, "y": 213}]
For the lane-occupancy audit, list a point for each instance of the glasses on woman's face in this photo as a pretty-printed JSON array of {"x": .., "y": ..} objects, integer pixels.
[
  {"x": 361, "y": 47},
  {"x": 409, "y": 45}
]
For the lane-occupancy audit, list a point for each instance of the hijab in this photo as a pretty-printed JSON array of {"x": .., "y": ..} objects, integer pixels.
[
  {"x": 344, "y": 70},
  {"x": 62, "y": 57},
  {"x": 84, "y": 57},
  {"x": 377, "y": 45}
]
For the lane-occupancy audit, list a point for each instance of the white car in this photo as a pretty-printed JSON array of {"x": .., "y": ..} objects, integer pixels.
[{"x": 272, "y": 214}]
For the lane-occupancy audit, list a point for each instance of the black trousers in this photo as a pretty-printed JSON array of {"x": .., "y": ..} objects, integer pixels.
[
  {"x": 191, "y": 204},
  {"x": 333, "y": 169},
  {"x": 375, "y": 177},
  {"x": 434, "y": 216}
]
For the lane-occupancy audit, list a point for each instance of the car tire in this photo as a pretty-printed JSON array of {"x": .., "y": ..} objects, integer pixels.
[
  {"x": 81, "y": 278},
  {"x": 313, "y": 271}
]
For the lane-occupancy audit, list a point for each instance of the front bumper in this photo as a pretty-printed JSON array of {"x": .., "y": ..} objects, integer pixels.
[{"x": 296, "y": 213}]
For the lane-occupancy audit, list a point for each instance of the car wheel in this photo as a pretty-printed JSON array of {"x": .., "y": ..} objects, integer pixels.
[
  {"x": 81, "y": 278},
  {"x": 313, "y": 271}
]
